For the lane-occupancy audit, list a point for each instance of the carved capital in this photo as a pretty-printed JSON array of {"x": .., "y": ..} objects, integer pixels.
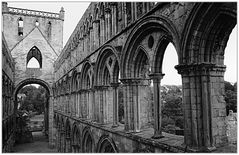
[
  {"x": 157, "y": 76},
  {"x": 201, "y": 69}
]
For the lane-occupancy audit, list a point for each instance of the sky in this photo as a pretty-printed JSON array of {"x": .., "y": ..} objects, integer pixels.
[{"x": 74, "y": 11}]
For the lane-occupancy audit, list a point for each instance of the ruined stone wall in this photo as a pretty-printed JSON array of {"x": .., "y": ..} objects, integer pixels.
[
  {"x": 124, "y": 43},
  {"x": 101, "y": 23},
  {"x": 43, "y": 30},
  {"x": 11, "y": 17},
  {"x": 121, "y": 142},
  {"x": 8, "y": 117}
]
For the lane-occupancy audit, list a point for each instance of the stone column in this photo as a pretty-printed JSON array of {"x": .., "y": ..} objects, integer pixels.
[
  {"x": 156, "y": 77},
  {"x": 58, "y": 139},
  {"x": 51, "y": 119},
  {"x": 132, "y": 122},
  {"x": 204, "y": 106},
  {"x": 93, "y": 104},
  {"x": 115, "y": 104},
  {"x": 74, "y": 101},
  {"x": 68, "y": 144},
  {"x": 101, "y": 105}
]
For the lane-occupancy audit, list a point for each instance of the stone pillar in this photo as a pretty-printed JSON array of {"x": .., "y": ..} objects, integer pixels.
[
  {"x": 115, "y": 104},
  {"x": 81, "y": 105},
  {"x": 68, "y": 144},
  {"x": 101, "y": 105},
  {"x": 58, "y": 139},
  {"x": 90, "y": 103},
  {"x": 132, "y": 122},
  {"x": 74, "y": 102},
  {"x": 93, "y": 104},
  {"x": 156, "y": 77},
  {"x": 204, "y": 106},
  {"x": 51, "y": 129}
]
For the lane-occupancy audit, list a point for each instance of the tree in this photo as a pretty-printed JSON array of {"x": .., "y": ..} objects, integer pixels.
[
  {"x": 35, "y": 98},
  {"x": 230, "y": 96}
]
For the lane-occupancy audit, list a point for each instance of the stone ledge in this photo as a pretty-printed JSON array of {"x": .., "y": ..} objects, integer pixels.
[{"x": 170, "y": 142}]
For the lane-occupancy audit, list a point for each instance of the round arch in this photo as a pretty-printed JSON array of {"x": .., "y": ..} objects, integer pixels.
[
  {"x": 207, "y": 30},
  {"x": 33, "y": 81},
  {"x": 73, "y": 85},
  {"x": 142, "y": 28},
  {"x": 87, "y": 75},
  {"x": 49, "y": 91},
  {"x": 106, "y": 52},
  {"x": 68, "y": 135},
  {"x": 76, "y": 138},
  {"x": 88, "y": 140},
  {"x": 106, "y": 145}
]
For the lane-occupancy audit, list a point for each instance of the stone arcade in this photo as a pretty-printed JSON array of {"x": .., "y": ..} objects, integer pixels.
[{"x": 121, "y": 44}]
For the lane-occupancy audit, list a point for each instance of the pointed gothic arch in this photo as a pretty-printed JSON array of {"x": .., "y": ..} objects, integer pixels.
[{"x": 35, "y": 53}]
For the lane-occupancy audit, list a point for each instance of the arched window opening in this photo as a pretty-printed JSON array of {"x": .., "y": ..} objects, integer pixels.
[
  {"x": 88, "y": 143},
  {"x": 171, "y": 93},
  {"x": 34, "y": 58},
  {"x": 20, "y": 26},
  {"x": 170, "y": 60},
  {"x": 36, "y": 23},
  {"x": 106, "y": 147},
  {"x": 68, "y": 136}
]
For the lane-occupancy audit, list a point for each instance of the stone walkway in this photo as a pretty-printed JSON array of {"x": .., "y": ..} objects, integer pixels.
[{"x": 40, "y": 145}]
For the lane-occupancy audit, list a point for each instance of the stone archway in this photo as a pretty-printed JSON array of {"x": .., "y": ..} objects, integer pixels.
[
  {"x": 141, "y": 62},
  {"x": 107, "y": 83},
  {"x": 48, "y": 102},
  {"x": 88, "y": 141},
  {"x": 106, "y": 145},
  {"x": 204, "y": 40}
]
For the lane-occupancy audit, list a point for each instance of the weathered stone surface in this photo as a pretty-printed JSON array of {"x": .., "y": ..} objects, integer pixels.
[{"x": 121, "y": 46}]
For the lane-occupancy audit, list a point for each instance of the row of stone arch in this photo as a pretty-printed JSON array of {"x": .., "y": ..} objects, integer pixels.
[
  {"x": 102, "y": 23},
  {"x": 200, "y": 48},
  {"x": 71, "y": 138}
]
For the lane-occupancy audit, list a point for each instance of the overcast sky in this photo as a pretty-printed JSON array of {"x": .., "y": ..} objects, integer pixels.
[{"x": 74, "y": 11}]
